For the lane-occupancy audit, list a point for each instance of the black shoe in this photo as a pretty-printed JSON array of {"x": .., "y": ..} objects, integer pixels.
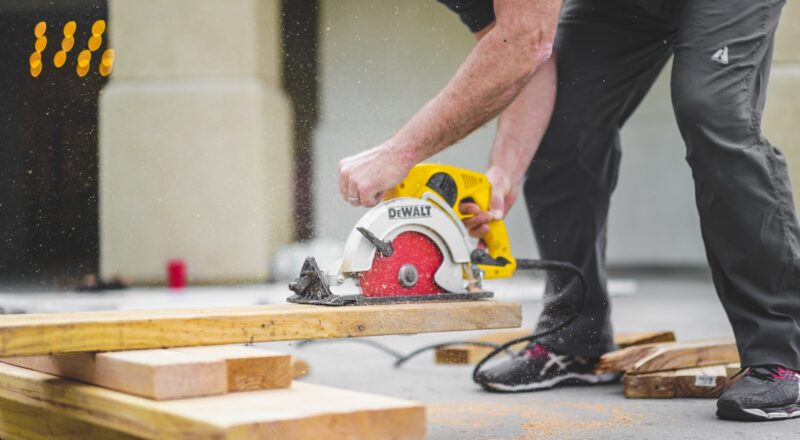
[
  {"x": 762, "y": 393},
  {"x": 538, "y": 368}
]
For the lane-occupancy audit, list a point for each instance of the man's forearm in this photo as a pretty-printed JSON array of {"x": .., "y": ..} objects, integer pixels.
[
  {"x": 523, "y": 124},
  {"x": 497, "y": 69}
]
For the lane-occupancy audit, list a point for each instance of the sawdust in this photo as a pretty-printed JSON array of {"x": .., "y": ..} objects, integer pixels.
[{"x": 560, "y": 420}]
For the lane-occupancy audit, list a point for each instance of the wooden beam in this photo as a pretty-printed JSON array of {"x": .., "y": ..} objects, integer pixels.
[
  {"x": 25, "y": 422},
  {"x": 34, "y": 334},
  {"x": 670, "y": 356},
  {"x": 471, "y": 354},
  {"x": 690, "y": 382},
  {"x": 155, "y": 374},
  {"x": 249, "y": 368},
  {"x": 300, "y": 412}
]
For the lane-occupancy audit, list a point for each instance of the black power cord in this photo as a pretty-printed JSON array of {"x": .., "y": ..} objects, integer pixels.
[{"x": 524, "y": 264}]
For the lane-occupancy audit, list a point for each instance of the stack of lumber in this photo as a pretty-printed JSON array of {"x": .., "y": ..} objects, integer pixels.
[
  {"x": 462, "y": 354},
  {"x": 674, "y": 369},
  {"x": 163, "y": 374}
]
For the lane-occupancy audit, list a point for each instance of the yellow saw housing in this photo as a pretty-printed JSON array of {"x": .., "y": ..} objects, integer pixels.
[{"x": 456, "y": 185}]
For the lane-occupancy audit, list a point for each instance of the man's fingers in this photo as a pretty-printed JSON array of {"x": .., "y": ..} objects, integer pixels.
[
  {"x": 352, "y": 195},
  {"x": 469, "y": 208},
  {"x": 496, "y": 207},
  {"x": 478, "y": 219}
]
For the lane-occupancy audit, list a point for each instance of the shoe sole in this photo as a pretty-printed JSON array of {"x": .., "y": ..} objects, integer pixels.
[
  {"x": 567, "y": 379},
  {"x": 731, "y": 411}
]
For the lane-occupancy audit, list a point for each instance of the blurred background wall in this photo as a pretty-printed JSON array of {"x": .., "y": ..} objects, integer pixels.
[{"x": 218, "y": 135}]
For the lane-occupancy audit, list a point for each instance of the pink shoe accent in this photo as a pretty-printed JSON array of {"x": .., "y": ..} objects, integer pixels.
[
  {"x": 785, "y": 374},
  {"x": 538, "y": 350}
]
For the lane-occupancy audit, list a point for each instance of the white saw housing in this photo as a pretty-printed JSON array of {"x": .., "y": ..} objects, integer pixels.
[{"x": 429, "y": 216}]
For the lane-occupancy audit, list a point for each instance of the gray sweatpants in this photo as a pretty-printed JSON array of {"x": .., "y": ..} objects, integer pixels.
[{"x": 609, "y": 53}]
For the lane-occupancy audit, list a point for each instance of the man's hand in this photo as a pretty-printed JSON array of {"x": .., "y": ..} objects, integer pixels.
[
  {"x": 504, "y": 194},
  {"x": 365, "y": 177}
]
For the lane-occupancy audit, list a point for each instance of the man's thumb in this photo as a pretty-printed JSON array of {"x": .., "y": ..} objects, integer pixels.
[{"x": 496, "y": 207}]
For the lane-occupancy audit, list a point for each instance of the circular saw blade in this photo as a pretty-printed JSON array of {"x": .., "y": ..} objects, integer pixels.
[{"x": 414, "y": 254}]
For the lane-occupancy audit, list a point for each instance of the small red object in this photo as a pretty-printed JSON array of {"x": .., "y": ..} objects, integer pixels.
[{"x": 176, "y": 274}]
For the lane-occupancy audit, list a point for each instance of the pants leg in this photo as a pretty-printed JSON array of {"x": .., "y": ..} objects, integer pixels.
[
  {"x": 748, "y": 221},
  {"x": 608, "y": 55}
]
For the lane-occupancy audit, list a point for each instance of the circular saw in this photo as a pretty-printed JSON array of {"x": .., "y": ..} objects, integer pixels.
[{"x": 413, "y": 246}]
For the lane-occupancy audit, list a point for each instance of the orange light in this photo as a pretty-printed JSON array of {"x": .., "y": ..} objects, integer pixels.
[
  {"x": 35, "y": 71},
  {"x": 59, "y": 59},
  {"x": 108, "y": 58},
  {"x": 67, "y": 44},
  {"x": 41, "y": 43},
  {"x": 106, "y": 63},
  {"x": 69, "y": 28},
  {"x": 35, "y": 59},
  {"x": 40, "y": 29},
  {"x": 94, "y": 42},
  {"x": 99, "y": 27},
  {"x": 84, "y": 58},
  {"x": 82, "y": 71}
]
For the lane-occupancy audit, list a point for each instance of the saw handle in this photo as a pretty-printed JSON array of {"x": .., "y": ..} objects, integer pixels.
[{"x": 456, "y": 185}]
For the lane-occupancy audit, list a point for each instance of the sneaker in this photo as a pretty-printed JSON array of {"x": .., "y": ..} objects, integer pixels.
[
  {"x": 761, "y": 393},
  {"x": 539, "y": 368}
]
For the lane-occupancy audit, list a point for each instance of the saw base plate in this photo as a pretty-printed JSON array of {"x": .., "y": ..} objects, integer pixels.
[{"x": 360, "y": 300}]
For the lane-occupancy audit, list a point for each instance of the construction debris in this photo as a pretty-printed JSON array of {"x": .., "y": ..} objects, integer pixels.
[
  {"x": 690, "y": 382},
  {"x": 650, "y": 358}
]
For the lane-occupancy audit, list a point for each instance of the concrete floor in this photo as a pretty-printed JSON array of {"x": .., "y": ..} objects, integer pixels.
[{"x": 457, "y": 409}]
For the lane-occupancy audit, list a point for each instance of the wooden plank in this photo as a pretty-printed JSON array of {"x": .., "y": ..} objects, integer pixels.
[
  {"x": 470, "y": 354},
  {"x": 155, "y": 374},
  {"x": 25, "y": 422},
  {"x": 690, "y": 382},
  {"x": 249, "y": 368},
  {"x": 34, "y": 334},
  {"x": 300, "y": 412},
  {"x": 670, "y": 356}
]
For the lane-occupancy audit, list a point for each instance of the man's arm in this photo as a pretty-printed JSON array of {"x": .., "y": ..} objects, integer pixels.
[
  {"x": 494, "y": 73},
  {"x": 519, "y": 132}
]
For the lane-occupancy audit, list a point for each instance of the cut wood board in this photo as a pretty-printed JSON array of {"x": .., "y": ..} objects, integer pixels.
[
  {"x": 302, "y": 411},
  {"x": 155, "y": 374},
  {"x": 34, "y": 334},
  {"x": 650, "y": 358},
  {"x": 249, "y": 368},
  {"x": 690, "y": 382},
  {"x": 25, "y": 422},
  {"x": 471, "y": 354}
]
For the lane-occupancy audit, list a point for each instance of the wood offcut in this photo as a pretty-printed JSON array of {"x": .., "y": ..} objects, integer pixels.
[
  {"x": 690, "y": 382},
  {"x": 670, "y": 356}
]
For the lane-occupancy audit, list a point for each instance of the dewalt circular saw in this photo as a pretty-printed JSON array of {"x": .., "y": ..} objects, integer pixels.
[{"x": 413, "y": 246}]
